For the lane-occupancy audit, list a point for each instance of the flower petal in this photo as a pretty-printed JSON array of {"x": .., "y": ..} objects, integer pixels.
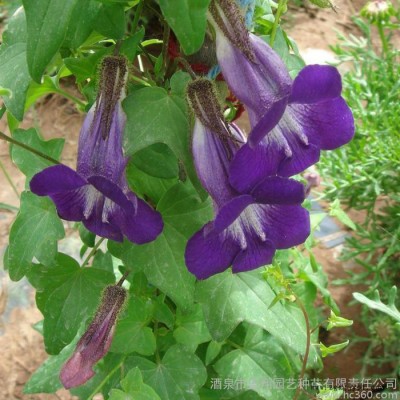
[
  {"x": 316, "y": 83},
  {"x": 211, "y": 158},
  {"x": 257, "y": 84},
  {"x": 142, "y": 227},
  {"x": 254, "y": 256},
  {"x": 56, "y": 179},
  {"x": 231, "y": 211},
  {"x": 285, "y": 226},
  {"x": 328, "y": 124},
  {"x": 278, "y": 190},
  {"x": 208, "y": 254}
]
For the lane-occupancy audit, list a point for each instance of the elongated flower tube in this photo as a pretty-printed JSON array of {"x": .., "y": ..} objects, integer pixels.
[
  {"x": 96, "y": 341},
  {"x": 316, "y": 118},
  {"x": 97, "y": 193},
  {"x": 253, "y": 71},
  {"x": 291, "y": 121},
  {"x": 249, "y": 227}
]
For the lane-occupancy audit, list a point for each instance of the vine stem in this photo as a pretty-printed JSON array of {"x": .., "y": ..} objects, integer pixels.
[
  {"x": 6, "y": 174},
  {"x": 138, "y": 13},
  {"x": 29, "y": 148},
  {"x": 123, "y": 277},
  {"x": 93, "y": 251},
  {"x": 187, "y": 67},
  {"x": 279, "y": 12},
  {"x": 308, "y": 344}
]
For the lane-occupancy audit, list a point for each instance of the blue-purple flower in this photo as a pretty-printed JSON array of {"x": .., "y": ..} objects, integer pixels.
[
  {"x": 97, "y": 193},
  {"x": 316, "y": 118},
  {"x": 96, "y": 341},
  {"x": 249, "y": 227},
  {"x": 291, "y": 121}
]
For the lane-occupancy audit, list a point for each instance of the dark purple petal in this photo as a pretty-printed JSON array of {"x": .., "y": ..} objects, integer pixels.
[
  {"x": 208, "y": 254},
  {"x": 252, "y": 165},
  {"x": 231, "y": 211},
  {"x": 278, "y": 190},
  {"x": 56, "y": 179},
  {"x": 143, "y": 226},
  {"x": 316, "y": 83},
  {"x": 265, "y": 123},
  {"x": 328, "y": 124},
  {"x": 285, "y": 226},
  {"x": 257, "y": 84},
  {"x": 254, "y": 256}
]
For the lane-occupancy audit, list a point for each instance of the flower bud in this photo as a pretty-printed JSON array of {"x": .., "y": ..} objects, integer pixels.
[{"x": 96, "y": 341}]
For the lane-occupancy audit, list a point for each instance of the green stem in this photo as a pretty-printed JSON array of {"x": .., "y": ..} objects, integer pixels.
[
  {"x": 29, "y": 148},
  {"x": 71, "y": 97},
  {"x": 14, "y": 188},
  {"x": 138, "y": 13},
  {"x": 106, "y": 378},
  {"x": 187, "y": 67},
  {"x": 384, "y": 41},
  {"x": 123, "y": 277},
  {"x": 164, "y": 49},
  {"x": 308, "y": 344},
  {"x": 279, "y": 12},
  {"x": 93, "y": 252}
]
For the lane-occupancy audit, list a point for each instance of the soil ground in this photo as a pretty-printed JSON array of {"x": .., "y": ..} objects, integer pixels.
[{"x": 21, "y": 346}]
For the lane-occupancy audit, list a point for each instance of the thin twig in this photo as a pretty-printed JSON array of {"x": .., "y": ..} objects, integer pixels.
[
  {"x": 138, "y": 13},
  {"x": 29, "y": 148},
  {"x": 93, "y": 251},
  {"x": 123, "y": 277},
  {"x": 307, "y": 352},
  {"x": 187, "y": 67}
]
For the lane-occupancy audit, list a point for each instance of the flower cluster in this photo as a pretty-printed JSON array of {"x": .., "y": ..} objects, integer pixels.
[{"x": 257, "y": 206}]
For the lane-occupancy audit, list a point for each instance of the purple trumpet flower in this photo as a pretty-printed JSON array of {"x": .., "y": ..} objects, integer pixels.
[
  {"x": 249, "y": 227},
  {"x": 97, "y": 193},
  {"x": 316, "y": 118},
  {"x": 96, "y": 341},
  {"x": 291, "y": 120}
]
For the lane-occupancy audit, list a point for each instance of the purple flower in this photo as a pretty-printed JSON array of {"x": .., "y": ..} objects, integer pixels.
[
  {"x": 97, "y": 193},
  {"x": 249, "y": 227},
  {"x": 96, "y": 341},
  {"x": 291, "y": 120},
  {"x": 316, "y": 118},
  {"x": 253, "y": 71}
]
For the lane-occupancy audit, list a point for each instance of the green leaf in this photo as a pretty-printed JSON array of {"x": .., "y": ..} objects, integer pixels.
[
  {"x": 336, "y": 211},
  {"x": 162, "y": 260},
  {"x": 34, "y": 233},
  {"x": 81, "y": 23},
  {"x": 86, "y": 66},
  {"x": 258, "y": 362},
  {"x": 154, "y": 116},
  {"x": 179, "y": 375},
  {"x": 157, "y": 160},
  {"x": 329, "y": 394},
  {"x": 376, "y": 303},
  {"x": 188, "y": 20},
  {"x": 334, "y": 321},
  {"x": 46, "y": 378},
  {"x": 110, "y": 21},
  {"x": 326, "y": 351},
  {"x": 47, "y": 24},
  {"x": 66, "y": 295},
  {"x": 132, "y": 333},
  {"x": 134, "y": 388},
  {"x": 229, "y": 299},
  {"x": 191, "y": 329},
  {"x": 16, "y": 28},
  {"x": 14, "y": 76},
  {"x": 213, "y": 350},
  {"x": 30, "y": 163},
  {"x": 130, "y": 45}
]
